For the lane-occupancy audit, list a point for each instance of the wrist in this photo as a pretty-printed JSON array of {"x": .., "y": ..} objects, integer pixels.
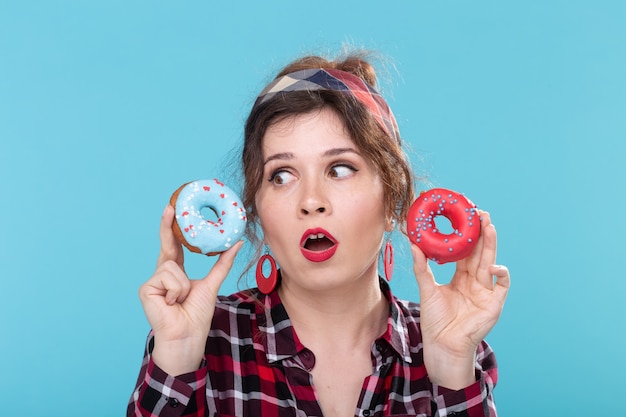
[
  {"x": 180, "y": 356},
  {"x": 451, "y": 372}
]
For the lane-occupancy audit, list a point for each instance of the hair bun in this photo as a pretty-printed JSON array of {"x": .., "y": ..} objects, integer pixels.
[
  {"x": 358, "y": 66},
  {"x": 354, "y": 63}
]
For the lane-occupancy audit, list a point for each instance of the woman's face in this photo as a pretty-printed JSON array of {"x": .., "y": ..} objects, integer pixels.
[{"x": 320, "y": 204}]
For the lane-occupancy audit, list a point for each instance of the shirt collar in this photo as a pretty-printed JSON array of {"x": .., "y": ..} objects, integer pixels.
[
  {"x": 281, "y": 341},
  {"x": 397, "y": 334},
  {"x": 278, "y": 335}
]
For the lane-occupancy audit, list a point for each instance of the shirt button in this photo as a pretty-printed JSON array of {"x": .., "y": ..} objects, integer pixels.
[
  {"x": 173, "y": 402},
  {"x": 367, "y": 413}
]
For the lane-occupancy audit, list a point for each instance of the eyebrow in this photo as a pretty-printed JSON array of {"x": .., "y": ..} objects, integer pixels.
[{"x": 328, "y": 153}]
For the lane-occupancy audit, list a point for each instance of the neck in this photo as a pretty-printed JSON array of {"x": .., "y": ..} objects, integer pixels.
[{"x": 341, "y": 316}]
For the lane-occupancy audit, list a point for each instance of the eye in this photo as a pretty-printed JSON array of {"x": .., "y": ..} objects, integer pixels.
[
  {"x": 342, "y": 171},
  {"x": 281, "y": 177}
]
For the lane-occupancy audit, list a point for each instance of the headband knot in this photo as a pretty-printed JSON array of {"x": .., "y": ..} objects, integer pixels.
[{"x": 335, "y": 80}]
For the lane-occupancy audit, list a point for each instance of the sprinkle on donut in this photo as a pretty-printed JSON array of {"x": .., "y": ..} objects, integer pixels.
[
  {"x": 463, "y": 216},
  {"x": 198, "y": 233}
]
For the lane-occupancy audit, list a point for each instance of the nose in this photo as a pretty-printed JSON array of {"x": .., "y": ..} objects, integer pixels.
[
  {"x": 314, "y": 199},
  {"x": 320, "y": 209}
]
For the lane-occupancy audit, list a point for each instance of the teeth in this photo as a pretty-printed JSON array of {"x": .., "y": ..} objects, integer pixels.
[{"x": 317, "y": 236}]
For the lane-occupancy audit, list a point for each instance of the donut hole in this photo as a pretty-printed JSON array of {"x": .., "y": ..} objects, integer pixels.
[
  {"x": 444, "y": 225},
  {"x": 209, "y": 214}
]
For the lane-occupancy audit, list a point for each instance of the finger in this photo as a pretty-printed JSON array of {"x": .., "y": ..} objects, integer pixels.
[
  {"x": 487, "y": 258},
  {"x": 423, "y": 273},
  {"x": 473, "y": 260},
  {"x": 503, "y": 281},
  {"x": 469, "y": 264},
  {"x": 178, "y": 286},
  {"x": 171, "y": 249},
  {"x": 169, "y": 283}
]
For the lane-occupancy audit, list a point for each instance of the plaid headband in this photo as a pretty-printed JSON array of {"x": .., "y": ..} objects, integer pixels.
[{"x": 336, "y": 80}]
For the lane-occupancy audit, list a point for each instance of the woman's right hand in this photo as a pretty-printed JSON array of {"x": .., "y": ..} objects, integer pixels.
[{"x": 178, "y": 309}]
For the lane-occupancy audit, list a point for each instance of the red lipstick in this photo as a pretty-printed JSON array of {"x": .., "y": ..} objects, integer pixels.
[{"x": 317, "y": 245}]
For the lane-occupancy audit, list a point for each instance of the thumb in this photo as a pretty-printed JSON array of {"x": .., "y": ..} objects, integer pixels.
[
  {"x": 218, "y": 273},
  {"x": 200, "y": 303},
  {"x": 421, "y": 269}
]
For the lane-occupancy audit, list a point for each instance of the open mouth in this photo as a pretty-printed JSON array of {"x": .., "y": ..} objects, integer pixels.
[
  {"x": 317, "y": 245},
  {"x": 318, "y": 242}
]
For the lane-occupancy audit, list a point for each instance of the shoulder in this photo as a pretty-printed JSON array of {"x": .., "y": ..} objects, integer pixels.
[
  {"x": 242, "y": 302},
  {"x": 410, "y": 311},
  {"x": 405, "y": 316},
  {"x": 234, "y": 321},
  {"x": 240, "y": 307},
  {"x": 409, "y": 307}
]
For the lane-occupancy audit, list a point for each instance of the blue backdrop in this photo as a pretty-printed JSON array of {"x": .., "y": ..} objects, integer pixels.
[{"x": 106, "y": 107}]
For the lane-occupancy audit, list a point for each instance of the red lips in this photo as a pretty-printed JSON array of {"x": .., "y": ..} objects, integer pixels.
[{"x": 318, "y": 245}]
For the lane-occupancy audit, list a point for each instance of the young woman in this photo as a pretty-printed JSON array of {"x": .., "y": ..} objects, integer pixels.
[{"x": 325, "y": 180}]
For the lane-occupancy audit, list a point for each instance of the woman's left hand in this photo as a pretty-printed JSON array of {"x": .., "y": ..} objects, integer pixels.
[{"x": 456, "y": 317}]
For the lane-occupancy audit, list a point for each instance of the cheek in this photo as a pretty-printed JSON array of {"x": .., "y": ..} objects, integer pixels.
[
  {"x": 369, "y": 207},
  {"x": 269, "y": 212}
]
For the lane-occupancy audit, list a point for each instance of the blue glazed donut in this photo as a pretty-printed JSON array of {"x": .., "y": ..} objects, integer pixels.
[{"x": 202, "y": 235}]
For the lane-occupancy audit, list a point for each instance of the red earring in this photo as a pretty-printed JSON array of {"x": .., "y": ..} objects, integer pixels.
[
  {"x": 266, "y": 284},
  {"x": 388, "y": 261}
]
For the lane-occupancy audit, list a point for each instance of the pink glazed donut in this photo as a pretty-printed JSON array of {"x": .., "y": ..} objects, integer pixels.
[{"x": 459, "y": 210}]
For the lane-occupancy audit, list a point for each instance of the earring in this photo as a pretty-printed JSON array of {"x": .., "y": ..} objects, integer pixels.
[
  {"x": 266, "y": 284},
  {"x": 388, "y": 260}
]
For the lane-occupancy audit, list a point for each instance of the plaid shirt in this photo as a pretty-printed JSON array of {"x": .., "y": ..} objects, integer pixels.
[{"x": 254, "y": 365}]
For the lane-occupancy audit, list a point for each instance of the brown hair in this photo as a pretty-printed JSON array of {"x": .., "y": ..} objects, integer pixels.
[{"x": 383, "y": 152}]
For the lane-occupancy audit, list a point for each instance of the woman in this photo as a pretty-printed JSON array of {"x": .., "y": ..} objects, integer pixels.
[{"x": 325, "y": 180}]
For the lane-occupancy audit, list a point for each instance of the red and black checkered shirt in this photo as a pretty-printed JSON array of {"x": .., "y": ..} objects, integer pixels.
[{"x": 254, "y": 365}]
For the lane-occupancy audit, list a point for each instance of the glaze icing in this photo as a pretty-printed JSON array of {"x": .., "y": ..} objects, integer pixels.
[
  {"x": 209, "y": 236},
  {"x": 463, "y": 216}
]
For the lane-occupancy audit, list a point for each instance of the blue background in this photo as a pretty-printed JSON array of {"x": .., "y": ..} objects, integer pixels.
[{"x": 106, "y": 107}]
